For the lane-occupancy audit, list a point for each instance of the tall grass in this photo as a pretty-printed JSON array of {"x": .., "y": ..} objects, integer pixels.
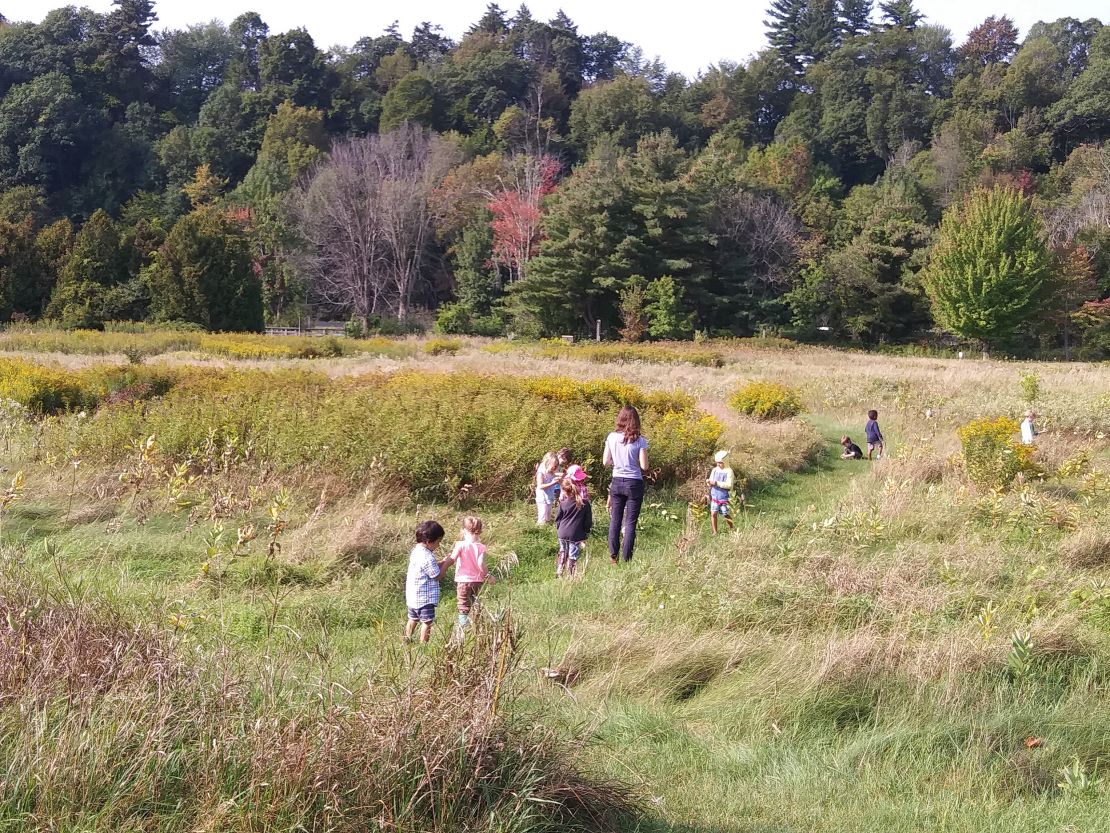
[
  {"x": 458, "y": 436},
  {"x": 141, "y": 345},
  {"x": 879, "y": 646},
  {"x": 103, "y": 723}
]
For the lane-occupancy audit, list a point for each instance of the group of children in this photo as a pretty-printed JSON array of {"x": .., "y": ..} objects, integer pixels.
[
  {"x": 874, "y": 437},
  {"x": 560, "y": 487},
  {"x": 468, "y": 557},
  {"x": 562, "y": 497}
]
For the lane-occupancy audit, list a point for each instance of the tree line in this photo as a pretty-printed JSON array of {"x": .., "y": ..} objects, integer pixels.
[{"x": 863, "y": 178}]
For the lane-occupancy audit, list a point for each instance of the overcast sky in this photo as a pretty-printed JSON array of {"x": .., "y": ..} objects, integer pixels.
[{"x": 688, "y": 34}]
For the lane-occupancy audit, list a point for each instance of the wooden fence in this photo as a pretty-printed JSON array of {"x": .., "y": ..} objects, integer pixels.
[{"x": 306, "y": 331}]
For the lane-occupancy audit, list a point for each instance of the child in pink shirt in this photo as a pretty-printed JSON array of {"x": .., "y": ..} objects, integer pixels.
[{"x": 470, "y": 567}]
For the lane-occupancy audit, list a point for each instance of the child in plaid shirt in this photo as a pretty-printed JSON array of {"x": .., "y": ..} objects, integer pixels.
[{"x": 422, "y": 582}]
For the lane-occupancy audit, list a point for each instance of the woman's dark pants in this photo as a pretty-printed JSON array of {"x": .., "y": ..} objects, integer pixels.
[{"x": 628, "y": 497}]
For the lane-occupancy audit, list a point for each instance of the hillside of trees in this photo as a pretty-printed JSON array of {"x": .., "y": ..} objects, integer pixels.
[{"x": 868, "y": 177}]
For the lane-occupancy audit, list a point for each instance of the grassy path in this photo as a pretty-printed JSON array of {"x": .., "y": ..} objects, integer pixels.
[{"x": 699, "y": 676}]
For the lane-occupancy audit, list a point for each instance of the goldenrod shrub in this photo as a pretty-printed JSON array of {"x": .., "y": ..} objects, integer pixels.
[
  {"x": 437, "y": 435},
  {"x": 442, "y": 346},
  {"x": 676, "y": 352},
  {"x": 767, "y": 400},
  {"x": 228, "y": 345},
  {"x": 45, "y": 389},
  {"x": 992, "y": 456}
]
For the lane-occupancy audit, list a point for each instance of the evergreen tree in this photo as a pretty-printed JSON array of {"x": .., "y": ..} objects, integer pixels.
[
  {"x": 95, "y": 264},
  {"x": 584, "y": 259},
  {"x": 900, "y": 14},
  {"x": 803, "y": 31},
  {"x": 784, "y": 23},
  {"x": 203, "y": 274},
  {"x": 988, "y": 273},
  {"x": 493, "y": 22},
  {"x": 855, "y": 17},
  {"x": 477, "y": 285}
]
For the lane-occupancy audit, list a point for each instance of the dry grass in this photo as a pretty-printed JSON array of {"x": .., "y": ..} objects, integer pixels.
[
  {"x": 1087, "y": 548},
  {"x": 135, "y": 731}
]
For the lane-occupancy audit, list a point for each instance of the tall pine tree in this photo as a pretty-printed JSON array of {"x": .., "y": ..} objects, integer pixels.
[
  {"x": 855, "y": 17},
  {"x": 900, "y": 14}
]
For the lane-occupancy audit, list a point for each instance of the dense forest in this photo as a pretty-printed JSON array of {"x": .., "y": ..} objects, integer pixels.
[{"x": 864, "y": 178}]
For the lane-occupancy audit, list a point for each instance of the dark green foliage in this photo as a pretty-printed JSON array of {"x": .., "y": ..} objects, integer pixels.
[
  {"x": 801, "y": 187},
  {"x": 620, "y": 215},
  {"x": 94, "y": 266},
  {"x": 1083, "y": 114},
  {"x": 203, "y": 274}
]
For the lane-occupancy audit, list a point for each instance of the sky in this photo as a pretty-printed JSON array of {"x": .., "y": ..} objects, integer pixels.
[{"x": 688, "y": 35}]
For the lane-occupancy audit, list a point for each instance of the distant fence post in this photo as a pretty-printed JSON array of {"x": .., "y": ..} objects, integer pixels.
[{"x": 597, "y": 328}]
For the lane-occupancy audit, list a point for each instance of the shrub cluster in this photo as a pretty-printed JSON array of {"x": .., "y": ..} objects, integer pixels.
[
  {"x": 442, "y": 346},
  {"x": 139, "y": 345},
  {"x": 461, "y": 436},
  {"x": 767, "y": 400},
  {"x": 47, "y": 390},
  {"x": 675, "y": 352},
  {"x": 991, "y": 454}
]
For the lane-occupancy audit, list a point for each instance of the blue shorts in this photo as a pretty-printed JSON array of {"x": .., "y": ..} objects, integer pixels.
[
  {"x": 569, "y": 549},
  {"x": 719, "y": 507},
  {"x": 425, "y": 614}
]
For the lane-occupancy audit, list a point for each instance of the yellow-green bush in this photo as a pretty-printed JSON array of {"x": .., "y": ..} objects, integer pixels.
[
  {"x": 228, "y": 345},
  {"x": 442, "y": 346},
  {"x": 437, "y": 435},
  {"x": 767, "y": 400},
  {"x": 676, "y": 352},
  {"x": 44, "y": 389},
  {"x": 991, "y": 454}
]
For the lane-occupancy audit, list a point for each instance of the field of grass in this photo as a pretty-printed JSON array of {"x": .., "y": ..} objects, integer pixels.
[{"x": 201, "y": 631}]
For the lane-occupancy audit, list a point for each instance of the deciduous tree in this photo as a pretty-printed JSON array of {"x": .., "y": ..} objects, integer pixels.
[{"x": 989, "y": 271}]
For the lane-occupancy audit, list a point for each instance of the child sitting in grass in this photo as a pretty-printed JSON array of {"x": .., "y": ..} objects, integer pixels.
[
  {"x": 547, "y": 484},
  {"x": 851, "y": 450},
  {"x": 422, "y": 582},
  {"x": 469, "y": 555},
  {"x": 720, "y": 482},
  {"x": 574, "y": 521},
  {"x": 873, "y": 435}
]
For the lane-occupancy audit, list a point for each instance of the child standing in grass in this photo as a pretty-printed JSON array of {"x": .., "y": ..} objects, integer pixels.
[
  {"x": 547, "y": 484},
  {"x": 574, "y": 522},
  {"x": 720, "y": 481},
  {"x": 469, "y": 555},
  {"x": 422, "y": 582},
  {"x": 873, "y": 435},
  {"x": 1028, "y": 429}
]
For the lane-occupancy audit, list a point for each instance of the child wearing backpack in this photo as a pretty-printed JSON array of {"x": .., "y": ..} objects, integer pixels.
[{"x": 574, "y": 521}]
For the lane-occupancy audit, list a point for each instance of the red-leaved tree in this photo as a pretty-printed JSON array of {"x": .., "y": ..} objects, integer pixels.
[{"x": 517, "y": 211}]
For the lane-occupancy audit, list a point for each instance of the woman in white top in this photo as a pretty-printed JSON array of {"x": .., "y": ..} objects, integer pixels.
[{"x": 626, "y": 451}]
